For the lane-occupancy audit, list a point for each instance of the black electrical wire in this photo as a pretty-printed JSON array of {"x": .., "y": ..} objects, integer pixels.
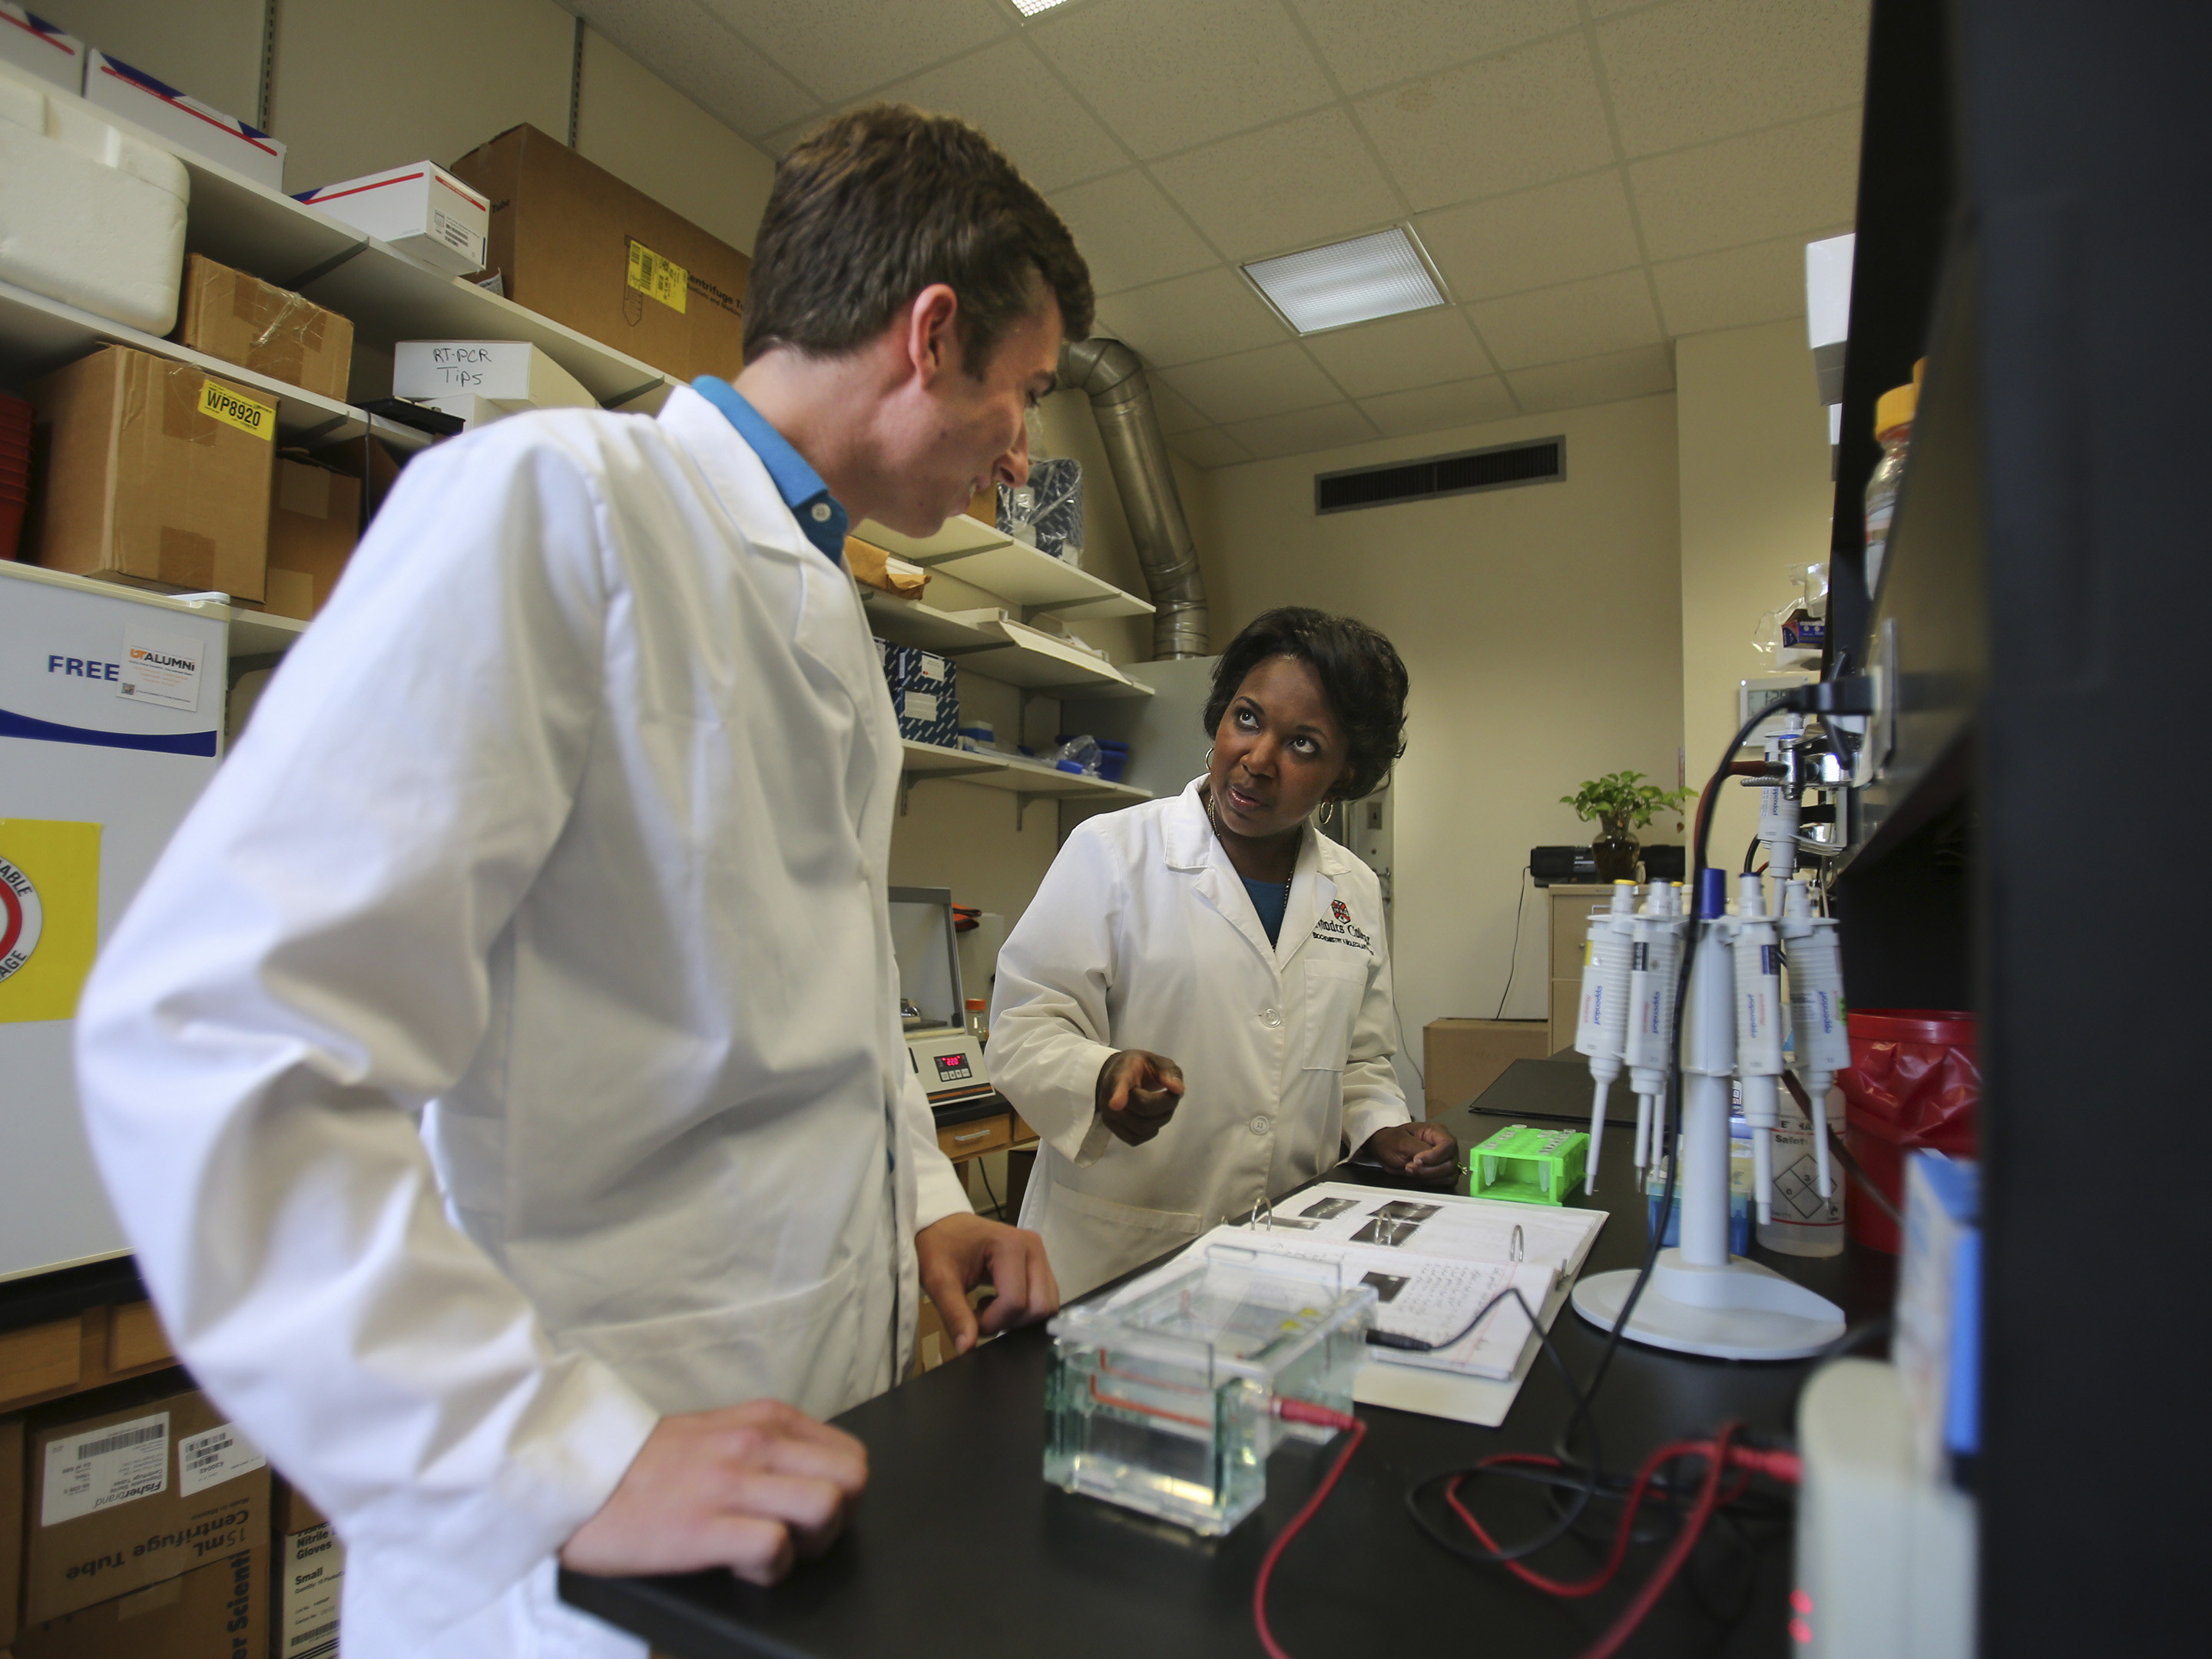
[
  {"x": 997, "y": 1208},
  {"x": 1513, "y": 962}
]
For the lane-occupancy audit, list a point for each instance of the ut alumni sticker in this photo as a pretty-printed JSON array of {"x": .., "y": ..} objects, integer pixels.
[{"x": 22, "y": 918}]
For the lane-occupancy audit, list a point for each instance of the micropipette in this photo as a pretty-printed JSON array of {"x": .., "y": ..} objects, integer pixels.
[
  {"x": 1655, "y": 957},
  {"x": 1817, "y": 1013},
  {"x": 1759, "y": 1014},
  {"x": 1601, "y": 1025}
]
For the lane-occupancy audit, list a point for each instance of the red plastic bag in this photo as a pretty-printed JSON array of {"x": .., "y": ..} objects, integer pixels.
[{"x": 1915, "y": 1081}]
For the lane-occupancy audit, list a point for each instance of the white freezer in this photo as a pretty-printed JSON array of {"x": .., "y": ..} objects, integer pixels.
[{"x": 93, "y": 779}]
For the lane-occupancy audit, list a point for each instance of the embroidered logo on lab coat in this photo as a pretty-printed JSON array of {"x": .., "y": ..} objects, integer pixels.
[
  {"x": 48, "y": 916},
  {"x": 1341, "y": 911}
]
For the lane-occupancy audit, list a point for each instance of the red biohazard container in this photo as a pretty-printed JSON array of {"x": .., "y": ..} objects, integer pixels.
[{"x": 1915, "y": 1081}]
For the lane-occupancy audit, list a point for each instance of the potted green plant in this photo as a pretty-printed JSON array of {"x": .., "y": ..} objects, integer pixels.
[{"x": 1620, "y": 803}]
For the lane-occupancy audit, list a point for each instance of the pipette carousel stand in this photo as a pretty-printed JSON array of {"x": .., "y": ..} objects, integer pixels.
[{"x": 1701, "y": 1299}]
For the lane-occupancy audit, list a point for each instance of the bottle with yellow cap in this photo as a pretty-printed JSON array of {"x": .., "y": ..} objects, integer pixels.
[{"x": 1892, "y": 430}]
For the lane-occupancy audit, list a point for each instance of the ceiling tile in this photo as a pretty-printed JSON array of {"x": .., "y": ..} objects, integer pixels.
[
  {"x": 1253, "y": 383},
  {"x": 1702, "y": 69},
  {"x": 1209, "y": 447},
  {"x": 1130, "y": 232},
  {"x": 1615, "y": 7},
  {"x": 1165, "y": 75},
  {"x": 1520, "y": 118},
  {"x": 1303, "y": 181},
  {"x": 1207, "y": 314},
  {"x": 1006, "y": 90},
  {"x": 1417, "y": 349},
  {"x": 1327, "y": 428},
  {"x": 1734, "y": 289},
  {"x": 703, "y": 59},
  {"x": 1535, "y": 238},
  {"x": 1369, "y": 45},
  {"x": 1175, "y": 410},
  {"x": 1764, "y": 185},
  {"x": 1433, "y": 408},
  {"x": 1576, "y": 319},
  {"x": 841, "y": 48},
  {"x": 1606, "y": 380}
]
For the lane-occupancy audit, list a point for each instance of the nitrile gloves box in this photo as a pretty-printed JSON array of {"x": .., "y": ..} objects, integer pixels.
[
  {"x": 420, "y": 208},
  {"x": 182, "y": 121}
]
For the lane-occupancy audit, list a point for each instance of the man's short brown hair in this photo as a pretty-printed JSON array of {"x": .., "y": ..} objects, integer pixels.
[{"x": 880, "y": 204}]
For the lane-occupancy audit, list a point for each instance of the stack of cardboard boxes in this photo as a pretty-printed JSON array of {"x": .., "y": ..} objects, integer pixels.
[{"x": 144, "y": 1528}]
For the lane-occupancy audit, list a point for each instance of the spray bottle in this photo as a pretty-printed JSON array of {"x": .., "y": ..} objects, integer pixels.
[{"x": 1601, "y": 1025}]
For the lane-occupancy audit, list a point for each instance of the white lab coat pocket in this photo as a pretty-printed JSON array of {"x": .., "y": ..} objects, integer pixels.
[
  {"x": 1336, "y": 986},
  {"x": 1090, "y": 1240}
]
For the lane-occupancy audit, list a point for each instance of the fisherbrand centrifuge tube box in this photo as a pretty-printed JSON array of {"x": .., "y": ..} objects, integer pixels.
[{"x": 1161, "y": 1400}]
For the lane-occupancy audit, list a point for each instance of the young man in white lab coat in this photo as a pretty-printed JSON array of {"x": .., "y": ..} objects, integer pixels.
[{"x": 562, "y": 835}]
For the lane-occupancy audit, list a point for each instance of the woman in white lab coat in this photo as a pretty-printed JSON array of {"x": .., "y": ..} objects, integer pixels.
[{"x": 1194, "y": 1011}]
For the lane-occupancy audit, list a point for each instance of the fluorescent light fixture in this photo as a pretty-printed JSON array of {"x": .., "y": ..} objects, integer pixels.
[
  {"x": 1345, "y": 282},
  {"x": 1031, "y": 8}
]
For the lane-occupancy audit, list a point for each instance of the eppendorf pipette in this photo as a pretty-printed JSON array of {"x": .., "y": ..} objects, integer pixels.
[
  {"x": 1601, "y": 1025},
  {"x": 1759, "y": 1017},
  {"x": 1655, "y": 957},
  {"x": 1817, "y": 1014}
]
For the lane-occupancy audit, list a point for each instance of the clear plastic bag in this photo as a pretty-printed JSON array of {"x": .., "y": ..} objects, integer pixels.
[{"x": 1077, "y": 755}]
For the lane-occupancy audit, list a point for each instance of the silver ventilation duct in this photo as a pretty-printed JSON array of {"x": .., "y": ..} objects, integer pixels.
[{"x": 1110, "y": 374}]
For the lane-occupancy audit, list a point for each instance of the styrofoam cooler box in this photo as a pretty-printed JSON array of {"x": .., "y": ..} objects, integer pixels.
[
  {"x": 30, "y": 42},
  {"x": 89, "y": 214},
  {"x": 177, "y": 118},
  {"x": 421, "y": 209}
]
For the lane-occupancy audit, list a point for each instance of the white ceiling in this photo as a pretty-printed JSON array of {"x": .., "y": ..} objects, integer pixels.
[{"x": 1592, "y": 178}]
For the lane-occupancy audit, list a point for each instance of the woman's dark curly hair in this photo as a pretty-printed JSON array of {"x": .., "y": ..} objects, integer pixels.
[{"x": 1360, "y": 675}]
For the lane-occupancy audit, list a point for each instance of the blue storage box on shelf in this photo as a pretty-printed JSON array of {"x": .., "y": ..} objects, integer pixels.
[
  {"x": 1113, "y": 754},
  {"x": 925, "y": 693}
]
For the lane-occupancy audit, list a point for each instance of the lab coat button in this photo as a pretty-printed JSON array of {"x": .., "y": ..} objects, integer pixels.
[
  {"x": 1272, "y": 1018},
  {"x": 822, "y": 512},
  {"x": 1259, "y": 1126}
]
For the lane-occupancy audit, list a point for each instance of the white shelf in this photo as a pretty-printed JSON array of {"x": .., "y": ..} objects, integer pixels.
[
  {"x": 1032, "y": 779},
  {"x": 39, "y": 335},
  {"x": 1031, "y": 582},
  {"x": 252, "y": 633},
  {"x": 386, "y": 295},
  {"x": 988, "y": 650}
]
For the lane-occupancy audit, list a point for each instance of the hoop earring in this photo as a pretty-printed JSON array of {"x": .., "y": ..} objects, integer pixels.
[{"x": 1209, "y": 755}]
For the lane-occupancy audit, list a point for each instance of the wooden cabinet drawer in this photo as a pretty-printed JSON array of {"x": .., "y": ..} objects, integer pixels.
[
  {"x": 985, "y": 1134},
  {"x": 39, "y": 1359},
  {"x": 135, "y": 1338}
]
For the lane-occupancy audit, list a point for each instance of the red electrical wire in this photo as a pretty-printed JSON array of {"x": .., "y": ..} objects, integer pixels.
[
  {"x": 1297, "y": 1410},
  {"x": 1720, "y": 1455}
]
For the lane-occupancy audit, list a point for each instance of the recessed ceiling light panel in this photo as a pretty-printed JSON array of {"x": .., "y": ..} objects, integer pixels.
[
  {"x": 1346, "y": 282},
  {"x": 1031, "y": 8}
]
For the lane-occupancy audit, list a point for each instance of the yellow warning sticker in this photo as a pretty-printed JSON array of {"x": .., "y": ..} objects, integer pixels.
[
  {"x": 48, "y": 916},
  {"x": 663, "y": 279},
  {"x": 259, "y": 419}
]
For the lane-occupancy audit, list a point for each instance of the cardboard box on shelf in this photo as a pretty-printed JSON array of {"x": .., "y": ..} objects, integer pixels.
[
  {"x": 575, "y": 243},
  {"x": 1460, "y": 1058},
  {"x": 420, "y": 208},
  {"x": 11, "y": 1525},
  {"x": 260, "y": 326},
  {"x": 30, "y": 42},
  {"x": 310, "y": 1580},
  {"x": 134, "y": 1494},
  {"x": 315, "y": 522},
  {"x": 219, "y": 1610},
  {"x": 505, "y": 371},
  {"x": 156, "y": 475},
  {"x": 182, "y": 122}
]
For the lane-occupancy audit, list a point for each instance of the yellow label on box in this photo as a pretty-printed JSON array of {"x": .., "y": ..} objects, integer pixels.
[
  {"x": 259, "y": 419},
  {"x": 663, "y": 279},
  {"x": 48, "y": 916}
]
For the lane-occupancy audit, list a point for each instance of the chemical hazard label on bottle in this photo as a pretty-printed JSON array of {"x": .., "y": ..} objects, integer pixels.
[
  {"x": 99, "y": 1469},
  {"x": 661, "y": 278},
  {"x": 209, "y": 1460}
]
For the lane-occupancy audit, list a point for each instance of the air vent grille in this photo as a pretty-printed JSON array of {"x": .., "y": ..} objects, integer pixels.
[{"x": 1499, "y": 468}]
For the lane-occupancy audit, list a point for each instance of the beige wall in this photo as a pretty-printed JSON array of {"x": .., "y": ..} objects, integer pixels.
[
  {"x": 1756, "y": 499},
  {"x": 1542, "y": 631},
  {"x": 362, "y": 85}
]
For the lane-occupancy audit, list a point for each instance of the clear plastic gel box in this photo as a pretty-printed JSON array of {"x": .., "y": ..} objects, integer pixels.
[{"x": 1162, "y": 1402}]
